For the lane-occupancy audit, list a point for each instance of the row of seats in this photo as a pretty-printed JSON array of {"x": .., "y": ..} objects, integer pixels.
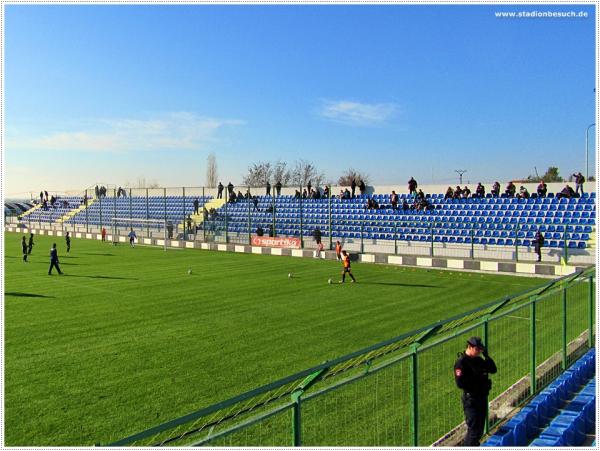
[{"x": 561, "y": 415}]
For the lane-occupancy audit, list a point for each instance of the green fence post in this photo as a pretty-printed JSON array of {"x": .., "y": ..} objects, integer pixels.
[
  {"x": 414, "y": 397},
  {"x": 565, "y": 247},
  {"x": 517, "y": 242},
  {"x": 87, "y": 224},
  {"x": 249, "y": 232},
  {"x": 226, "y": 223},
  {"x": 115, "y": 214},
  {"x": 591, "y": 312},
  {"x": 301, "y": 221},
  {"x": 395, "y": 237},
  {"x": 296, "y": 419},
  {"x": 130, "y": 210},
  {"x": 147, "y": 216},
  {"x": 362, "y": 241},
  {"x": 486, "y": 342},
  {"x": 472, "y": 241},
  {"x": 274, "y": 215},
  {"x": 101, "y": 223},
  {"x": 185, "y": 236},
  {"x": 532, "y": 346},
  {"x": 564, "y": 328},
  {"x": 165, "y": 206}
]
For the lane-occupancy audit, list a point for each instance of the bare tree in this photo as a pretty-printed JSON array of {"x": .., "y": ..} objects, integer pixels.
[
  {"x": 352, "y": 174},
  {"x": 143, "y": 183},
  {"x": 258, "y": 174},
  {"x": 211, "y": 171},
  {"x": 304, "y": 171},
  {"x": 281, "y": 173}
]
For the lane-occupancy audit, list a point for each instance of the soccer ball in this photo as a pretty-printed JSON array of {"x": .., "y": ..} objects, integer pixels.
[
  {"x": 190, "y": 271},
  {"x": 290, "y": 275},
  {"x": 329, "y": 282}
]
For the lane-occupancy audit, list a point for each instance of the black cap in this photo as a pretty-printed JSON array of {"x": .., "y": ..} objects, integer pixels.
[{"x": 475, "y": 342}]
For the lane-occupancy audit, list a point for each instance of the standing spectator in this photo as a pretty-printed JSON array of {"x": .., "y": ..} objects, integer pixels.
[
  {"x": 30, "y": 246},
  {"x": 304, "y": 194},
  {"x": 204, "y": 214},
  {"x": 68, "y": 241},
  {"x": 278, "y": 188},
  {"x": 308, "y": 186},
  {"x": 326, "y": 192},
  {"x": 362, "y": 187},
  {"x": 538, "y": 243},
  {"x": 103, "y": 234},
  {"x": 394, "y": 200},
  {"x": 230, "y": 188},
  {"x": 496, "y": 189},
  {"x": 510, "y": 189},
  {"x": 41, "y": 197},
  {"x": 189, "y": 224},
  {"x": 471, "y": 375},
  {"x": 132, "y": 237},
  {"x": 170, "y": 230},
  {"x": 196, "y": 206},
  {"x": 46, "y": 195},
  {"x": 220, "y": 191},
  {"x": 579, "y": 181},
  {"x": 268, "y": 188},
  {"x": 54, "y": 260},
  {"x": 480, "y": 190},
  {"x": 97, "y": 191},
  {"x": 255, "y": 203},
  {"x": 542, "y": 189},
  {"x": 24, "y": 246},
  {"x": 317, "y": 237},
  {"x": 412, "y": 186},
  {"x": 353, "y": 187}
]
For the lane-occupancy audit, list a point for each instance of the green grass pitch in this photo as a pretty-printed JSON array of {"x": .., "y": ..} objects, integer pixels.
[{"x": 127, "y": 339}]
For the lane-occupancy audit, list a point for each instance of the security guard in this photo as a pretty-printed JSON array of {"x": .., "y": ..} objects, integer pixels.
[{"x": 471, "y": 375}]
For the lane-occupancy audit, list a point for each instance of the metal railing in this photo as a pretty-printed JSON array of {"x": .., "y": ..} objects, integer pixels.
[{"x": 401, "y": 392}]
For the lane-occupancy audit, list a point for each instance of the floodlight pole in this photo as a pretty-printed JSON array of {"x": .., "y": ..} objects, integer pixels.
[
  {"x": 587, "y": 133},
  {"x": 460, "y": 173}
]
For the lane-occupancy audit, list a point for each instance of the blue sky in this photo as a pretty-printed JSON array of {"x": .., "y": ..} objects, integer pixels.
[{"x": 112, "y": 93}]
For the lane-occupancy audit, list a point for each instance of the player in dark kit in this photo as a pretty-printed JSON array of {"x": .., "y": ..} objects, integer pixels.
[
  {"x": 471, "y": 375},
  {"x": 30, "y": 247},
  {"x": 54, "y": 260},
  {"x": 68, "y": 241},
  {"x": 24, "y": 245},
  {"x": 347, "y": 268}
]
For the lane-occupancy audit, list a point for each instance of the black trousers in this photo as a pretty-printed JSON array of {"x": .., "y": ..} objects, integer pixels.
[
  {"x": 54, "y": 264},
  {"x": 475, "y": 408}
]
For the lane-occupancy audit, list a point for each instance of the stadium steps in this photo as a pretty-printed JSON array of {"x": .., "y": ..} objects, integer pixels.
[
  {"x": 199, "y": 218},
  {"x": 75, "y": 211},
  {"x": 563, "y": 414},
  {"x": 31, "y": 210}
]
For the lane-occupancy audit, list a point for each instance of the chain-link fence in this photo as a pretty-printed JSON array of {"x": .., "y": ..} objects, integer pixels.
[{"x": 401, "y": 392}]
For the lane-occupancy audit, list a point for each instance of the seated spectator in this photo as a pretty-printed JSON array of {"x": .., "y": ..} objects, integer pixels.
[
  {"x": 466, "y": 192},
  {"x": 480, "y": 190},
  {"x": 405, "y": 206},
  {"x": 240, "y": 196},
  {"x": 542, "y": 189},
  {"x": 304, "y": 194},
  {"x": 297, "y": 195},
  {"x": 496, "y": 189},
  {"x": 394, "y": 200},
  {"x": 259, "y": 231},
  {"x": 346, "y": 194},
  {"x": 567, "y": 192},
  {"x": 232, "y": 197},
  {"x": 510, "y": 190},
  {"x": 375, "y": 205},
  {"x": 457, "y": 192},
  {"x": 369, "y": 204},
  {"x": 523, "y": 193},
  {"x": 326, "y": 192},
  {"x": 420, "y": 194},
  {"x": 342, "y": 195},
  {"x": 362, "y": 187},
  {"x": 449, "y": 193}
]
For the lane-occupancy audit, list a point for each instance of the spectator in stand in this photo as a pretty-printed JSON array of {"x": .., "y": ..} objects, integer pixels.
[
  {"x": 523, "y": 193},
  {"x": 449, "y": 193},
  {"x": 46, "y": 195},
  {"x": 542, "y": 189},
  {"x": 326, "y": 192},
  {"x": 579, "y": 181},
  {"x": 308, "y": 186},
  {"x": 188, "y": 220},
  {"x": 405, "y": 205},
  {"x": 278, "y": 188},
  {"x": 394, "y": 200},
  {"x": 412, "y": 186},
  {"x": 457, "y": 192},
  {"x": 255, "y": 203},
  {"x": 420, "y": 194},
  {"x": 347, "y": 194},
  {"x": 240, "y": 196},
  {"x": 375, "y": 204},
  {"x": 41, "y": 197},
  {"x": 567, "y": 192},
  {"x": 353, "y": 187},
  {"x": 268, "y": 188},
  {"x": 204, "y": 214},
  {"x": 220, "y": 191},
  {"x": 196, "y": 206},
  {"x": 232, "y": 197},
  {"x": 466, "y": 192},
  {"x": 496, "y": 189},
  {"x": 297, "y": 195},
  {"x": 538, "y": 243},
  {"x": 510, "y": 190},
  {"x": 480, "y": 191},
  {"x": 52, "y": 201},
  {"x": 317, "y": 237},
  {"x": 170, "y": 230},
  {"x": 304, "y": 194},
  {"x": 369, "y": 204},
  {"x": 362, "y": 187},
  {"x": 230, "y": 188}
]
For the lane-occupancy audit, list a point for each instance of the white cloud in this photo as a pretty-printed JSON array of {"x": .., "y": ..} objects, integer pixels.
[
  {"x": 356, "y": 113},
  {"x": 171, "y": 131}
]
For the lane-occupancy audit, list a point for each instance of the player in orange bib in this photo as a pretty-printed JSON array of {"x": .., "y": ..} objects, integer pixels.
[{"x": 347, "y": 269}]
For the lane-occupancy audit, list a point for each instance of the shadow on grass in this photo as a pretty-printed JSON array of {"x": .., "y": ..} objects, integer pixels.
[
  {"x": 25, "y": 295},
  {"x": 398, "y": 284},
  {"x": 98, "y": 253},
  {"x": 101, "y": 277}
]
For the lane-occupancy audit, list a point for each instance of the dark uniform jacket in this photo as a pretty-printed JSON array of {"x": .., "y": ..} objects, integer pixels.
[
  {"x": 471, "y": 374},
  {"x": 53, "y": 256}
]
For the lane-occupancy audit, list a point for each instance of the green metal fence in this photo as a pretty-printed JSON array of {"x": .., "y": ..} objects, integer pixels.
[{"x": 401, "y": 392}]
